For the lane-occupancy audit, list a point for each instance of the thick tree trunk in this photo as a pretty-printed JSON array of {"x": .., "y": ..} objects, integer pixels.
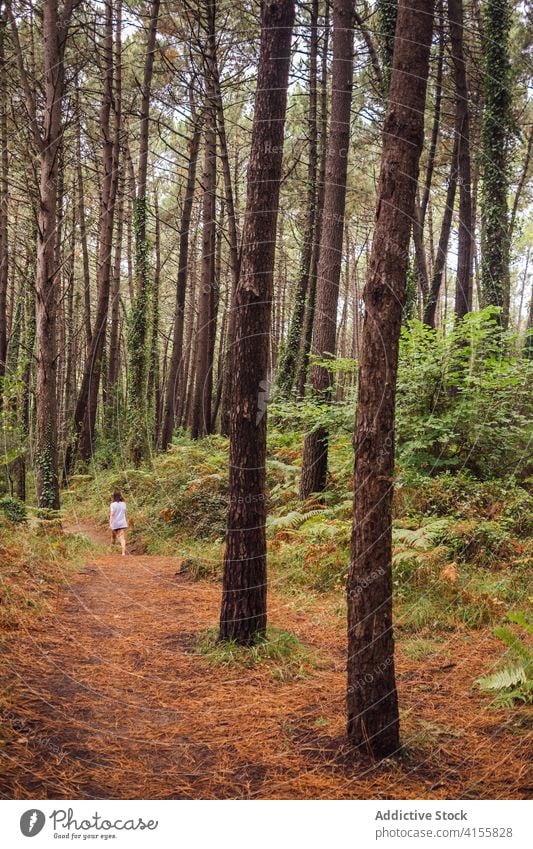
[
  {"x": 315, "y": 457},
  {"x": 4, "y": 200},
  {"x": 243, "y": 613},
  {"x": 373, "y": 722},
  {"x": 48, "y": 142}
]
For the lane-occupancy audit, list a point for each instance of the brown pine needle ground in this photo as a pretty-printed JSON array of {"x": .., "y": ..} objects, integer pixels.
[{"x": 109, "y": 698}]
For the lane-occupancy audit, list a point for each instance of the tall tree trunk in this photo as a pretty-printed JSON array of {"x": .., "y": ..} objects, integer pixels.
[
  {"x": 243, "y": 612},
  {"x": 83, "y": 232},
  {"x": 442, "y": 250},
  {"x": 47, "y": 131},
  {"x": 181, "y": 288},
  {"x": 495, "y": 280},
  {"x": 4, "y": 200},
  {"x": 114, "y": 338},
  {"x": 315, "y": 457},
  {"x": 463, "y": 287},
  {"x": 373, "y": 721},
  {"x": 139, "y": 437},
  {"x": 309, "y": 314},
  {"x": 87, "y": 402},
  {"x": 154, "y": 384},
  {"x": 203, "y": 387},
  {"x": 288, "y": 365}
]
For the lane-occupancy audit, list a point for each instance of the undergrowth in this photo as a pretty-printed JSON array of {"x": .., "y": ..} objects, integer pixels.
[{"x": 280, "y": 651}]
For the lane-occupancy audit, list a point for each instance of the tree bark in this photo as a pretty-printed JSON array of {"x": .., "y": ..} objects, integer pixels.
[
  {"x": 442, "y": 250},
  {"x": 243, "y": 613},
  {"x": 373, "y": 720},
  {"x": 495, "y": 246},
  {"x": 181, "y": 288},
  {"x": 4, "y": 200},
  {"x": 82, "y": 445},
  {"x": 463, "y": 287},
  {"x": 315, "y": 456},
  {"x": 47, "y": 132},
  {"x": 289, "y": 361},
  {"x": 139, "y": 437}
]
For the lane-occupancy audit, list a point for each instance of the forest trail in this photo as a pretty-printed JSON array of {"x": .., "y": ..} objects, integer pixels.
[{"x": 110, "y": 699}]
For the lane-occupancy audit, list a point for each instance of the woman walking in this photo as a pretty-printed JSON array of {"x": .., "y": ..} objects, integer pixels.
[{"x": 117, "y": 519}]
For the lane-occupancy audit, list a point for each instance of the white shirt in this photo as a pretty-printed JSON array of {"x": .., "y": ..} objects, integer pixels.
[{"x": 118, "y": 515}]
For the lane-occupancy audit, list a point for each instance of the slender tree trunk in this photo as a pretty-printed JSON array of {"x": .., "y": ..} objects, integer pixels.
[
  {"x": 315, "y": 458},
  {"x": 463, "y": 288},
  {"x": 203, "y": 389},
  {"x": 181, "y": 288},
  {"x": 289, "y": 361},
  {"x": 83, "y": 234},
  {"x": 309, "y": 314},
  {"x": 154, "y": 384},
  {"x": 442, "y": 250},
  {"x": 243, "y": 613},
  {"x": 373, "y": 720}
]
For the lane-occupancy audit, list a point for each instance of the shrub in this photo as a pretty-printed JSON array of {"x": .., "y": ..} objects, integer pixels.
[
  {"x": 464, "y": 400},
  {"x": 13, "y": 509}
]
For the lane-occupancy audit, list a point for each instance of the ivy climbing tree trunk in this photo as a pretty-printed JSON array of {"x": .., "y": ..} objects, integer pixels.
[
  {"x": 315, "y": 457},
  {"x": 495, "y": 280},
  {"x": 373, "y": 720},
  {"x": 139, "y": 320},
  {"x": 244, "y": 611}
]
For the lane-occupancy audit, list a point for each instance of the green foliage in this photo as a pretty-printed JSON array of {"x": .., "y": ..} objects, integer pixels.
[
  {"x": 13, "y": 509},
  {"x": 513, "y": 683},
  {"x": 281, "y": 651},
  {"x": 463, "y": 403}
]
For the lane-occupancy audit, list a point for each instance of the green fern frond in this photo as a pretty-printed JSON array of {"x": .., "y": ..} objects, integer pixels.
[{"x": 503, "y": 679}]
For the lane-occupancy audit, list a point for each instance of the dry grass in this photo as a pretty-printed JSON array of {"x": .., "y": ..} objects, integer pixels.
[{"x": 109, "y": 698}]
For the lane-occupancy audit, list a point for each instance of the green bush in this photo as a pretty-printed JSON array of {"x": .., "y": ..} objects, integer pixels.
[
  {"x": 464, "y": 400},
  {"x": 13, "y": 509}
]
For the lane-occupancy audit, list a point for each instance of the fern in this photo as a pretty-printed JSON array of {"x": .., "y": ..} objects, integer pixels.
[
  {"x": 503, "y": 679},
  {"x": 513, "y": 683},
  {"x": 293, "y": 520}
]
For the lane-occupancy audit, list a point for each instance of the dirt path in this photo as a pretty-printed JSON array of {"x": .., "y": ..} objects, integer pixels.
[{"x": 110, "y": 699}]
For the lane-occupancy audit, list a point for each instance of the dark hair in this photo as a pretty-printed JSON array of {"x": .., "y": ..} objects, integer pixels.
[{"x": 117, "y": 495}]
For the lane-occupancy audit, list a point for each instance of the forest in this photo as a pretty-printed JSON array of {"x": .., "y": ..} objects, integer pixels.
[{"x": 266, "y": 270}]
